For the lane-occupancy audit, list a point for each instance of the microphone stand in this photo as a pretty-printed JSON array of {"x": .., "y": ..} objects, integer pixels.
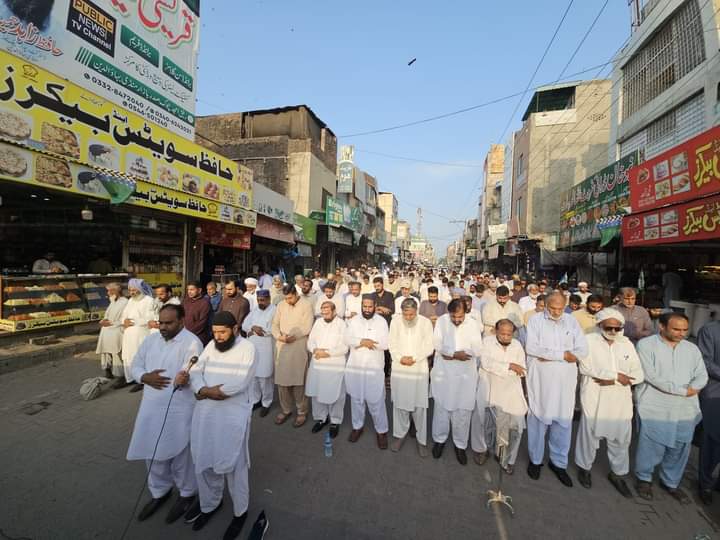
[{"x": 497, "y": 496}]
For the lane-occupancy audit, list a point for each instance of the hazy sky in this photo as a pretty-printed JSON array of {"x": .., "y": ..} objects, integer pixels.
[{"x": 349, "y": 63}]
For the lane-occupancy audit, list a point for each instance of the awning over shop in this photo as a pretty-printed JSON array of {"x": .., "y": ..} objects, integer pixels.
[
  {"x": 274, "y": 230},
  {"x": 225, "y": 235}
]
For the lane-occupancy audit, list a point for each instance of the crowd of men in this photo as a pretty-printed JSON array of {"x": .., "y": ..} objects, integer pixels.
[{"x": 496, "y": 355}]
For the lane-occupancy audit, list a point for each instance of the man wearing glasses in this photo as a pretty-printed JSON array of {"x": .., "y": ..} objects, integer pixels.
[{"x": 608, "y": 373}]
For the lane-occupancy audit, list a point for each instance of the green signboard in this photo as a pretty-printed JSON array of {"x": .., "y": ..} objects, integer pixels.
[
  {"x": 340, "y": 214},
  {"x": 305, "y": 229},
  {"x": 604, "y": 194}
]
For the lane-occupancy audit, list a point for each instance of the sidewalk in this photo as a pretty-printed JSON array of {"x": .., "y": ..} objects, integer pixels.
[{"x": 65, "y": 477}]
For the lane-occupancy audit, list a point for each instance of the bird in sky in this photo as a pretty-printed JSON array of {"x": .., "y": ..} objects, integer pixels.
[{"x": 411, "y": 62}]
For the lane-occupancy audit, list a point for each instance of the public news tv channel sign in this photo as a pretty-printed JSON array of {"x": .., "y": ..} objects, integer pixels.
[{"x": 139, "y": 54}]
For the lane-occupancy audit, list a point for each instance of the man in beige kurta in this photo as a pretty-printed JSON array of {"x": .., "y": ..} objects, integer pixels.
[{"x": 291, "y": 326}]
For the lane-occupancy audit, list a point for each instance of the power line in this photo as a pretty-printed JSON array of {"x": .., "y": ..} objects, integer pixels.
[
  {"x": 441, "y": 163},
  {"x": 587, "y": 33},
  {"x": 537, "y": 68}
]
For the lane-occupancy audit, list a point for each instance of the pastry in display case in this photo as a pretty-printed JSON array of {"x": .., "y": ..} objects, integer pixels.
[{"x": 36, "y": 301}]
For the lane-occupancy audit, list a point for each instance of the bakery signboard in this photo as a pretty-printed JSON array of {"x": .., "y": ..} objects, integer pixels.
[
  {"x": 41, "y": 111},
  {"x": 140, "y": 54},
  {"x": 685, "y": 172},
  {"x": 695, "y": 220}
]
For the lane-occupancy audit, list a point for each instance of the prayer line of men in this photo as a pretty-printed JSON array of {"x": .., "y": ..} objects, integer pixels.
[{"x": 476, "y": 383}]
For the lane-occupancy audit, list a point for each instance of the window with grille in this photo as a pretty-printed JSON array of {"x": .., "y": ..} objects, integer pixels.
[{"x": 674, "y": 51}]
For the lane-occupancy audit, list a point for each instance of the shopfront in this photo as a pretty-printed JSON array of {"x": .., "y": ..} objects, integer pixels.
[
  {"x": 674, "y": 229},
  {"x": 225, "y": 251},
  {"x": 108, "y": 193},
  {"x": 305, "y": 243}
]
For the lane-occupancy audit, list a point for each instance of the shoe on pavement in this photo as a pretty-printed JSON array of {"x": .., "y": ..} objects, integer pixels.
[
  {"x": 355, "y": 435},
  {"x": 676, "y": 493},
  {"x": 706, "y": 496},
  {"x": 204, "y": 517},
  {"x": 422, "y": 450},
  {"x": 257, "y": 405},
  {"x": 437, "y": 449},
  {"x": 534, "y": 471},
  {"x": 193, "y": 512},
  {"x": 181, "y": 506},
  {"x": 121, "y": 382},
  {"x": 334, "y": 430},
  {"x": 644, "y": 490},
  {"x": 151, "y": 507},
  {"x": 264, "y": 412},
  {"x": 461, "y": 456},
  {"x": 109, "y": 373},
  {"x": 137, "y": 387},
  {"x": 236, "y": 525},
  {"x": 319, "y": 425},
  {"x": 397, "y": 444},
  {"x": 382, "y": 441},
  {"x": 561, "y": 474},
  {"x": 480, "y": 457},
  {"x": 619, "y": 483},
  {"x": 509, "y": 469},
  {"x": 584, "y": 478},
  {"x": 259, "y": 528}
]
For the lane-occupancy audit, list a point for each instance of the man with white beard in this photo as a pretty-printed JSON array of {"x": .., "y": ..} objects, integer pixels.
[
  {"x": 608, "y": 374},
  {"x": 325, "y": 378},
  {"x": 367, "y": 337},
  {"x": 223, "y": 385},
  {"x": 111, "y": 333},
  {"x": 251, "y": 285},
  {"x": 555, "y": 342},
  {"x": 454, "y": 379},
  {"x": 500, "y": 402},
  {"x": 527, "y": 303},
  {"x": 410, "y": 345},
  {"x": 329, "y": 294},
  {"x": 162, "y": 358},
  {"x": 136, "y": 315},
  {"x": 258, "y": 328},
  {"x": 353, "y": 301}
]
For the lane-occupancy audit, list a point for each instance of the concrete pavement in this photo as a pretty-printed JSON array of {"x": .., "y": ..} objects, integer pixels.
[{"x": 64, "y": 476}]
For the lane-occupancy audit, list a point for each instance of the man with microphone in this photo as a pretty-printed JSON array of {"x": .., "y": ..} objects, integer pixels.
[{"x": 164, "y": 358}]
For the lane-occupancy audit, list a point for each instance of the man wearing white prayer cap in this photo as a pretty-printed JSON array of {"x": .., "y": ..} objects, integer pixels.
[
  {"x": 251, "y": 285},
  {"x": 583, "y": 292},
  {"x": 608, "y": 373}
]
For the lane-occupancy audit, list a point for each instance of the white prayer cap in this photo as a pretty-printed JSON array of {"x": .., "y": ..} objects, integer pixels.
[
  {"x": 251, "y": 281},
  {"x": 405, "y": 284},
  {"x": 609, "y": 313},
  {"x": 583, "y": 284}
]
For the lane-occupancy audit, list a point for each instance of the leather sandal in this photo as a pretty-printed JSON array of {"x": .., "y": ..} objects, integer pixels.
[
  {"x": 300, "y": 420},
  {"x": 282, "y": 418}
]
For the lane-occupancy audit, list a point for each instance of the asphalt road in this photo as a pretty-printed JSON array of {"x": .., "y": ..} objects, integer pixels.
[{"x": 64, "y": 476}]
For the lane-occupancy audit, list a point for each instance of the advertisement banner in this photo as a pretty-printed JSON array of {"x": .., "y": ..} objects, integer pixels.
[
  {"x": 339, "y": 236},
  {"x": 339, "y": 214},
  {"x": 33, "y": 168},
  {"x": 43, "y": 111},
  {"x": 685, "y": 172},
  {"x": 604, "y": 194},
  {"x": 220, "y": 234},
  {"x": 271, "y": 204},
  {"x": 346, "y": 169},
  {"x": 305, "y": 230},
  {"x": 139, "y": 54},
  {"x": 695, "y": 220}
]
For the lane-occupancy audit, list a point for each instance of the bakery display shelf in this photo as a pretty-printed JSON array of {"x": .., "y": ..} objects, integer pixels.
[
  {"x": 31, "y": 308},
  {"x": 18, "y": 295}
]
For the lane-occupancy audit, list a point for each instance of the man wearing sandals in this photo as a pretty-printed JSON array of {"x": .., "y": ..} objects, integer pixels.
[{"x": 291, "y": 327}]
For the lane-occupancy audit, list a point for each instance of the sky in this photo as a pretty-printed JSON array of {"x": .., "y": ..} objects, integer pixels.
[{"x": 348, "y": 61}]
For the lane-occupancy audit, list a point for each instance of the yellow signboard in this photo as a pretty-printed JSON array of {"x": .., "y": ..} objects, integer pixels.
[{"x": 44, "y": 111}]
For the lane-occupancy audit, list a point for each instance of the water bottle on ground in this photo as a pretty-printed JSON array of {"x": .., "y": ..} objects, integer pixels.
[{"x": 328, "y": 445}]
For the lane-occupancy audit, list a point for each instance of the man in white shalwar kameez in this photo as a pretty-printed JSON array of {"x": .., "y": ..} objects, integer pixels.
[
  {"x": 223, "y": 384},
  {"x": 250, "y": 294},
  {"x": 608, "y": 373},
  {"x": 410, "y": 345},
  {"x": 454, "y": 379},
  {"x": 109, "y": 342},
  {"x": 138, "y": 312},
  {"x": 353, "y": 301},
  {"x": 555, "y": 342},
  {"x": 258, "y": 328},
  {"x": 367, "y": 337},
  {"x": 163, "y": 358},
  {"x": 500, "y": 402},
  {"x": 325, "y": 382},
  {"x": 329, "y": 295}
]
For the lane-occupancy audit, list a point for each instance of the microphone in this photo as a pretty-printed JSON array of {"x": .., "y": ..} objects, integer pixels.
[{"x": 191, "y": 363}]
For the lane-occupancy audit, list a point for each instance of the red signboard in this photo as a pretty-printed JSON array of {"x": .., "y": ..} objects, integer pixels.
[
  {"x": 686, "y": 172},
  {"x": 695, "y": 220},
  {"x": 275, "y": 230},
  {"x": 224, "y": 235}
]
